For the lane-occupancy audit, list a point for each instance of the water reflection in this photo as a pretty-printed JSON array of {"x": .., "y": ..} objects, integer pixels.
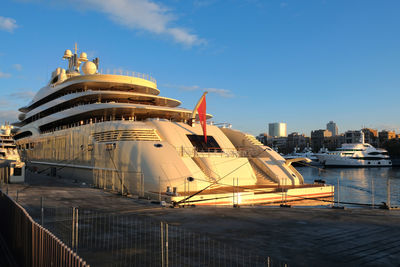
[{"x": 359, "y": 185}]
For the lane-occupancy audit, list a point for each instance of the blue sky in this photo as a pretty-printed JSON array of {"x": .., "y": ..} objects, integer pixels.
[{"x": 300, "y": 62}]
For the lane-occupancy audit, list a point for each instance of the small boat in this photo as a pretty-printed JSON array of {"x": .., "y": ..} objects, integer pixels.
[{"x": 306, "y": 153}]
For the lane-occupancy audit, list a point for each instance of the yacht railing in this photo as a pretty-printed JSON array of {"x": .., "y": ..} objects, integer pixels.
[
  {"x": 129, "y": 73},
  {"x": 217, "y": 152}
]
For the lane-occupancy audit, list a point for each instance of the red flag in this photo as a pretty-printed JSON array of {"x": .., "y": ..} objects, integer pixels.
[{"x": 202, "y": 116}]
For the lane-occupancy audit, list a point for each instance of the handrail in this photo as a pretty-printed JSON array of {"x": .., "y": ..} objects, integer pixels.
[
  {"x": 31, "y": 243},
  {"x": 217, "y": 152},
  {"x": 130, "y": 73}
]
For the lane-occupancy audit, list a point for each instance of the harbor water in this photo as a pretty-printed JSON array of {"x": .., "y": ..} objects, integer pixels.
[{"x": 359, "y": 187}]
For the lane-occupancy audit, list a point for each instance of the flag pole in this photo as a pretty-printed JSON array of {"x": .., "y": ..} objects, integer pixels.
[{"x": 193, "y": 117}]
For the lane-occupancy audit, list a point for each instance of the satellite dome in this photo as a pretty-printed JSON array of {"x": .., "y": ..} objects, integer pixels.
[
  {"x": 89, "y": 68},
  {"x": 67, "y": 54},
  {"x": 83, "y": 57}
]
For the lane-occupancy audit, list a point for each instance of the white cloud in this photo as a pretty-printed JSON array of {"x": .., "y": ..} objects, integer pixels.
[
  {"x": 203, "y": 3},
  {"x": 221, "y": 92},
  {"x": 8, "y": 115},
  {"x": 17, "y": 67},
  {"x": 4, "y": 75},
  {"x": 144, "y": 15},
  {"x": 23, "y": 95},
  {"x": 8, "y": 24}
]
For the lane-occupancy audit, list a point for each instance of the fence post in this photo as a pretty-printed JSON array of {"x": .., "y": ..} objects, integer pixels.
[
  {"x": 122, "y": 183},
  {"x": 159, "y": 189},
  {"x": 73, "y": 228},
  {"x": 142, "y": 184},
  {"x": 76, "y": 229},
  {"x": 166, "y": 244},
  {"x": 162, "y": 243},
  {"x": 41, "y": 211}
]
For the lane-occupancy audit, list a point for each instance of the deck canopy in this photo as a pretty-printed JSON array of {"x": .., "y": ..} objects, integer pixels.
[{"x": 92, "y": 82}]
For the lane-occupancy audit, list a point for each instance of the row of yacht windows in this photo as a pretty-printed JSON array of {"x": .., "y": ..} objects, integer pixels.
[
  {"x": 75, "y": 103},
  {"x": 62, "y": 125},
  {"x": 68, "y": 91}
]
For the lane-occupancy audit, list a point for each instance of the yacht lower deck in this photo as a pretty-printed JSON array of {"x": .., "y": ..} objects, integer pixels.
[{"x": 269, "y": 194}]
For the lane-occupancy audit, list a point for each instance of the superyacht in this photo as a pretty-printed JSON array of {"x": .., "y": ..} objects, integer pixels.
[
  {"x": 356, "y": 155},
  {"x": 115, "y": 132}
]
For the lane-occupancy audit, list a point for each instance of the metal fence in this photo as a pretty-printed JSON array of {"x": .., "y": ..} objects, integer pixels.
[
  {"x": 105, "y": 239},
  {"x": 30, "y": 243}
]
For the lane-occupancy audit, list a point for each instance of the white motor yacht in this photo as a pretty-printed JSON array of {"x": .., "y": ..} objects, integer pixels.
[{"x": 356, "y": 155}]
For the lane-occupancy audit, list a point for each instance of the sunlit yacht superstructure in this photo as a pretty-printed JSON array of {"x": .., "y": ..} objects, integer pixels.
[
  {"x": 11, "y": 168},
  {"x": 116, "y": 132},
  {"x": 8, "y": 149},
  {"x": 356, "y": 155}
]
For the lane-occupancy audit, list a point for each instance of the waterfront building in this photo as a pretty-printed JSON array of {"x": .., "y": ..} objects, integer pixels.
[
  {"x": 297, "y": 140},
  {"x": 318, "y": 139},
  {"x": 353, "y": 137},
  {"x": 332, "y": 127},
  {"x": 263, "y": 138},
  {"x": 277, "y": 129},
  {"x": 279, "y": 143},
  {"x": 370, "y": 136},
  {"x": 385, "y": 136},
  {"x": 333, "y": 142}
]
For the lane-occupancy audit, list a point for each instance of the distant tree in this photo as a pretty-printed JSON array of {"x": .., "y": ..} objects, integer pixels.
[{"x": 393, "y": 147}]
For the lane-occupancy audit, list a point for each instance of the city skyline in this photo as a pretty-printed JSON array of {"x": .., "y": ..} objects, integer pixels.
[
  {"x": 287, "y": 132},
  {"x": 304, "y": 63}
]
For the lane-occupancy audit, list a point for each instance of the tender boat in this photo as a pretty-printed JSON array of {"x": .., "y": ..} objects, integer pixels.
[{"x": 306, "y": 153}]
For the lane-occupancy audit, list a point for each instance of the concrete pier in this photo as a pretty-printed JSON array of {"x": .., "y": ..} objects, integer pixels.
[{"x": 298, "y": 236}]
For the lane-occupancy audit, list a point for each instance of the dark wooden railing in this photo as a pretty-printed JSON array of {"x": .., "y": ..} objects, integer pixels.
[{"x": 30, "y": 243}]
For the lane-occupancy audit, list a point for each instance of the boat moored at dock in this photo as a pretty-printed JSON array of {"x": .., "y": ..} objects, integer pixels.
[
  {"x": 116, "y": 132},
  {"x": 356, "y": 155}
]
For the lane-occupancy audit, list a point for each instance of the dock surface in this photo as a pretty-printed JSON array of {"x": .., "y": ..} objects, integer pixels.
[{"x": 297, "y": 236}]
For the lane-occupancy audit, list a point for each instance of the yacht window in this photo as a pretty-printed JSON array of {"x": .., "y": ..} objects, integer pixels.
[
  {"x": 201, "y": 146},
  {"x": 17, "y": 171}
]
